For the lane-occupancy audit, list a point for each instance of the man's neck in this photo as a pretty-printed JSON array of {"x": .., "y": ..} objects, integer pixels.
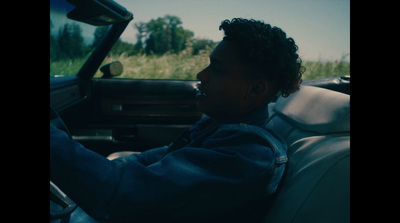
[{"x": 229, "y": 118}]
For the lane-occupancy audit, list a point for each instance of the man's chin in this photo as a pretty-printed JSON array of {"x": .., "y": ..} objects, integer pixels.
[{"x": 200, "y": 106}]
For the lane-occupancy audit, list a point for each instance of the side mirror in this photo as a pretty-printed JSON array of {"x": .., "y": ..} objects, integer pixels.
[{"x": 112, "y": 69}]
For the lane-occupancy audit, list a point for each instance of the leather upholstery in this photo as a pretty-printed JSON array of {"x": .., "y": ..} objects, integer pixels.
[
  {"x": 315, "y": 109},
  {"x": 315, "y": 122}
]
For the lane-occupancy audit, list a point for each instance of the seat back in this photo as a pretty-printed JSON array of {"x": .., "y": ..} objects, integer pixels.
[{"x": 315, "y": 123}]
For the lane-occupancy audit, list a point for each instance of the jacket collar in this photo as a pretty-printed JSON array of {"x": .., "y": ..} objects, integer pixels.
[{"x": 258, "y": 116}]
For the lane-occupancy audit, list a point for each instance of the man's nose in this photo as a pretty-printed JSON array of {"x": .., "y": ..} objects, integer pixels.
[{"x": 203, "y": 76}]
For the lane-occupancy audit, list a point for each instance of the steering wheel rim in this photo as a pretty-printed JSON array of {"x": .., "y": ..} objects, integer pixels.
[
  {"x": 56, "y": 195},
  {"x": 56, "y": 120}
]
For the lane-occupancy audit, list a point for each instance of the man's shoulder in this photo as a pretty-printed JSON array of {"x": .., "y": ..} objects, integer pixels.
[
  {"x": 244, "y": 128},
  {"x": 247, "y": 134}
]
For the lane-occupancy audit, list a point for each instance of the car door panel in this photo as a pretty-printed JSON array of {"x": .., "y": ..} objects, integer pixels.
[
  {"x": 128, "y": 101},
  {"x": 65, "y": 92},
  {"x": 129, "y": 114}
]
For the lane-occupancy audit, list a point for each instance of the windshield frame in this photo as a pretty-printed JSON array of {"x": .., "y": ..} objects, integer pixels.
[
  {"x": 119, "y": 19},
  {"x": 91, "y": 65}
]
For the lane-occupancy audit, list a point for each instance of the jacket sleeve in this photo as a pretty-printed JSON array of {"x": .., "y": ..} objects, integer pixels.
[
  {"x": 85, "y": 176},
  {"x": 230, "y": 168}
]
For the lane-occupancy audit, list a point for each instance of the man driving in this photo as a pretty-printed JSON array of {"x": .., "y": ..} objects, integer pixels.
[{"x": 226, "y": 167}]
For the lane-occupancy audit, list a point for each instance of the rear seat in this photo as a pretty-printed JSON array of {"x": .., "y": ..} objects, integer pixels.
[{"x": 315, "y": 123}]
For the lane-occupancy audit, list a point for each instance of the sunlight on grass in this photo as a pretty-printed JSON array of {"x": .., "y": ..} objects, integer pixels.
[{"x": 185, "y": 66}]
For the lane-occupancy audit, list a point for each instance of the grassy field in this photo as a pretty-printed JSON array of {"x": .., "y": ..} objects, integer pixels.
[
  {"x": 185, "y": 66},
  {"x": 315, "y": 70}
]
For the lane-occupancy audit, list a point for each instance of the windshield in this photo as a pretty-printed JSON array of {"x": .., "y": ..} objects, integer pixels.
[{"x": 71, "y": 42}]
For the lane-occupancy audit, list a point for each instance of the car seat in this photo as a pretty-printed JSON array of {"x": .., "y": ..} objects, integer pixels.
[{"x": 315, "y": 123}]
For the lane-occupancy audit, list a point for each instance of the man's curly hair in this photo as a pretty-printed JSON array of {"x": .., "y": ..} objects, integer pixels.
[{"x": 268, "y": 50}]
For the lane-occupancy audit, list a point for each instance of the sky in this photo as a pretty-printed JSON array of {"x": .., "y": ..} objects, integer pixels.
[{"x": 320, "y": 28}]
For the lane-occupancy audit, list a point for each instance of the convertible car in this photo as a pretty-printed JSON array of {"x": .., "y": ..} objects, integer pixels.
[{"x": 109, "y": 115}]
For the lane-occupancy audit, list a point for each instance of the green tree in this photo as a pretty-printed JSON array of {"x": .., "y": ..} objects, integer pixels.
[
  {"x": 70, "y": 41},
  {"x": 54, "y": 47},
  {"x": 141, "y": 28},
  {"x": 202, "y": 44},
  {"x": 164, "y": 35},
  {"x": 98, "y": 34},
  {"x": 119, "y": 47}
]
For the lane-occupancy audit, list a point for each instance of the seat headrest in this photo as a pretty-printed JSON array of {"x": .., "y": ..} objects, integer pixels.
[{"x": 316, "y": 109}]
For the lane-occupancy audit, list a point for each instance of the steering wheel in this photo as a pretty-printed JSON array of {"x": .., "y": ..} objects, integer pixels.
[
  {"x": 56, "y": 120},
  {"x": 56, "y": 195}
]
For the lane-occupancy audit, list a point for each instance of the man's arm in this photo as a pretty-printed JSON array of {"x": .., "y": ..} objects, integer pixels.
[
  {"x": 195, "y": 181},
  {"x": 87, "y": 177}
]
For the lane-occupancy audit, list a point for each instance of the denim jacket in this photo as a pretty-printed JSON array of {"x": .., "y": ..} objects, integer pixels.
[{"x": 214, "y": 172}]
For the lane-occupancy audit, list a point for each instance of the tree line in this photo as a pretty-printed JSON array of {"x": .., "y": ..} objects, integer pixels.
[{"x": 156, "y": 37}]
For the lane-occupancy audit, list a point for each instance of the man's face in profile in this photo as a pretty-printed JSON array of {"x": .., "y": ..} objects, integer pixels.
[{"x": 223, "y": 83}]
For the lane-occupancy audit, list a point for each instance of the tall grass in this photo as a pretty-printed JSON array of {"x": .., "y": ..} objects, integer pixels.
[
  {"x": 66, "y": 66},
  {"x": 325, "y": 69},
  {"x": 185, "y": 66},
  {"x": 182, "y": 66}
]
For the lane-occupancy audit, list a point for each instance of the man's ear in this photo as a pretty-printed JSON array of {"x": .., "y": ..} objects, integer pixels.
[{"x": 258, "y": 90}]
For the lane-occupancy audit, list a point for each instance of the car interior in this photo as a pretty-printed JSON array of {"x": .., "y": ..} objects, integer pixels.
[
  {"x": 315, "y": 123},
  {"x": 109, "y": 115}
]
